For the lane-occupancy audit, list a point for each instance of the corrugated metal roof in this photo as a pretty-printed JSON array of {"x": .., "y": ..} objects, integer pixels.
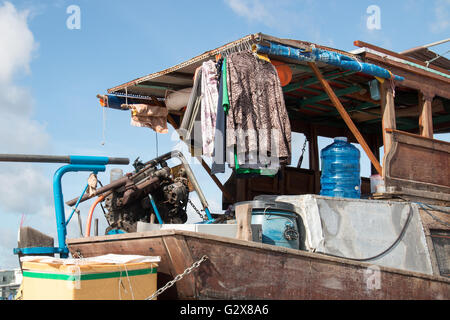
[{"x": 424, "y": 54}]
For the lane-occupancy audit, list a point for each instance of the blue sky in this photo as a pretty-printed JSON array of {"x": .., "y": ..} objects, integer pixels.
[{"x": 50, "y": 75}]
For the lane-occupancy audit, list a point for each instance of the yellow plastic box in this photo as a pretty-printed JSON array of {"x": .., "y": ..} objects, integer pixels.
[{"x": 110, "y": 277}]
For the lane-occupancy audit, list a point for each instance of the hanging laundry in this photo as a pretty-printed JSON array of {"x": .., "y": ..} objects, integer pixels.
[
  {"x": 257, "y": 121},
  {"x": 209, "y": 105},
  {"x": 190, "y": 128},
  {"x": 218, "y": 162},
  {"x": 145, "y": 115}
]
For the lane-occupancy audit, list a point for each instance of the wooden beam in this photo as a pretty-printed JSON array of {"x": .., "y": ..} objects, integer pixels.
[
  {"x": 426, "y": 115},
  {"x": 388, "y": 116},
  {"x": 363, "y": 44},
  {"x": 244, "y": 219},
  {"x": 314, "y": 80},
  {"x": 346, "y": 117},
  {"x": 313, "y": 150},
  {"x": 414, "y": 77},
  {"x": 217, "y": 181},
  {"x": 412, "y": 112},
  {"x": 323, "y": 97}
]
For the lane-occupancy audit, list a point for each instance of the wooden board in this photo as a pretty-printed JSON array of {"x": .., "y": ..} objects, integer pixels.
[
  {"x": 418, "y": 163},
  {"x": 237, "y": 269}
]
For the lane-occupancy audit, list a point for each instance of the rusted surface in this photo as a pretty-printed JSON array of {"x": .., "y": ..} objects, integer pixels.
[{"x": 247, "y": 270}]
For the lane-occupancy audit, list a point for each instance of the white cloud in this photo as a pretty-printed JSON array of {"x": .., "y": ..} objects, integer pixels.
[
  {"x": 17, "y": 41},
  {"x": 282, "y": 15},
  {"x": 253, "y": 10},
  {"x": 441, "y": 21},
  {"x": 19, "y": 133},
  {"x": 24, "y": 188}
]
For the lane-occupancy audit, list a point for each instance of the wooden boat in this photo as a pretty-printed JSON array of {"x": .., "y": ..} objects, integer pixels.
[
  {"x": 238, "y": 269},
  {"x": 415, "y": 167}
]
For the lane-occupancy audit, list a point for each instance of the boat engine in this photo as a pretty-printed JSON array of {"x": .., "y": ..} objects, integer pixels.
[
  {"x": 153, "y": 192},
  {"x": 151, "y": 182}
]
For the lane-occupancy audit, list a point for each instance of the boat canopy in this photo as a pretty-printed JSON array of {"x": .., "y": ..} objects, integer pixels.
[
  {"x": 371, "y": 95},
  {"x": 349, "y": 74}
]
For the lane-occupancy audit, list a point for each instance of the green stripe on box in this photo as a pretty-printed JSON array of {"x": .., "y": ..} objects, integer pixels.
[{"x": 90, "y": 276}]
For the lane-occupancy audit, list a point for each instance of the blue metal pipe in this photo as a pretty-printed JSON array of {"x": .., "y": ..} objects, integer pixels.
[
  {"x": 76, "y": 205},
  {"x": 325, "y": 56},
  {"x": 88, "y": 160},
  {"x": 155, "y": 209},
  {"x": 208, "y": 214},
  {"x": 58, "y": 196}
]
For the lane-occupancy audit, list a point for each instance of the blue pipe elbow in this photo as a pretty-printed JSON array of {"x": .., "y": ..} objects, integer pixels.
[{"x": 59, "y": 201}]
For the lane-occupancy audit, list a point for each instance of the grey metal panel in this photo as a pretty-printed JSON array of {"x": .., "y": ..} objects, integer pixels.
[
  {"x": 223, "y": 230},
  {"x": 360, "y": 229}
]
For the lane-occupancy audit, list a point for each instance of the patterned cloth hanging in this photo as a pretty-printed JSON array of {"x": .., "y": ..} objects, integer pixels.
[{"x": 257, "y": 122}]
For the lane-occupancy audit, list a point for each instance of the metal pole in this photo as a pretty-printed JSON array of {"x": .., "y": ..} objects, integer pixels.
[
  {"x": 96, "y": 227},
  {"x": 59, "y": 202},
  {"x": 62, "y": 159}
]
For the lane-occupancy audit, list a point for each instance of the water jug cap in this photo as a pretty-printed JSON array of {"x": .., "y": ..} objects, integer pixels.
[{"x": 340, "y": 139}]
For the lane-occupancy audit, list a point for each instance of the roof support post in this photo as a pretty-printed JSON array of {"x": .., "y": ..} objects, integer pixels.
[
  {"x": 425, "y": 115},
  {"x": 314, "y": 158},
  {"x": 345, "y": 116},
  {"x": 388, "y": 116}
]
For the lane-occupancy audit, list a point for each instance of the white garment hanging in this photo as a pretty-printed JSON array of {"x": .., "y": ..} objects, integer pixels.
[{"x": 209, "y": 101}]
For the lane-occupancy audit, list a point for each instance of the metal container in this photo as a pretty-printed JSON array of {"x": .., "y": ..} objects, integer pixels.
[{"x": 280, "y": 222}]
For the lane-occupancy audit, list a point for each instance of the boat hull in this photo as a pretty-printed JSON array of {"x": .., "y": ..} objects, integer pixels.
[{"x": 237, "y": 269}]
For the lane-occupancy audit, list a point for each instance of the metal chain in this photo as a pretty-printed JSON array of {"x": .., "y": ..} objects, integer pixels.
[
  {"x": 177, "y": 278},
  {"x": 300, "y": 160},
  {"x": 196, "y": 210}
]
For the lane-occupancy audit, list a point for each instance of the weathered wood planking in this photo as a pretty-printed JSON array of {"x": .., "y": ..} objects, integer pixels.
[
  {"x": 388, "y": 116},
  {"x": 426, "y": 115},
  {"x": 418, "y": 163},
  {"x": 243, "y": 214},
  {"x": 238, "y": 269}
]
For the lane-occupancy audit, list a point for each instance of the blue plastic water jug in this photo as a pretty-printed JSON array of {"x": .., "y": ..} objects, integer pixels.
[{"x": 340, "y": 170}]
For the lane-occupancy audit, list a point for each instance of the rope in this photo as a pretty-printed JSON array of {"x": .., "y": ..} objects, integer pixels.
[
  {"x": 103, "y": 126},
  {"x": 129, "y": 282}
]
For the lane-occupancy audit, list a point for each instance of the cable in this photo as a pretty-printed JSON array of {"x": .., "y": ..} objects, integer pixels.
[
  {"x": 388, "y": 249},
  {"x": 432, "y": 208},
  {"x": 433, "y": 216},
  {"x": 422, "y": 205},
  {"x": 156, "y": 138},
  {"x": 91, "y": 212}
]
